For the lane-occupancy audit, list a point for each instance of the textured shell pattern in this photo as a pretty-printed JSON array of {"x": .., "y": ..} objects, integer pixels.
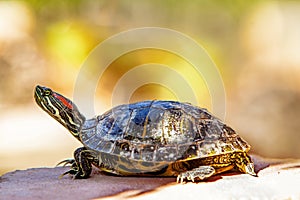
[{"x": 160, "y": 131}]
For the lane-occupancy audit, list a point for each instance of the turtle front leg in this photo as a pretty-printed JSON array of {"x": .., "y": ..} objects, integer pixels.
[
  {"x": 81, "y": 165},
  {"x": 201, "y": 172}
]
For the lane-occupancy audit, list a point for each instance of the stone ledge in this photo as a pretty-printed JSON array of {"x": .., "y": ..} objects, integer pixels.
[{"x": 278, "y": 179}]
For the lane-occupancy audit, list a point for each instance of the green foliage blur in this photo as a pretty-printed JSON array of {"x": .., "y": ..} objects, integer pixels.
[{"x": 60, "y": 34}]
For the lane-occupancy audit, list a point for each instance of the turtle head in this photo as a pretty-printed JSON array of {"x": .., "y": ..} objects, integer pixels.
[{"x": 60, "y": 108}]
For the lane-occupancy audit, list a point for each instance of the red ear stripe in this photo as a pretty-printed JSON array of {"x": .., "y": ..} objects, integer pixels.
[{"x": 62, "y": 99}]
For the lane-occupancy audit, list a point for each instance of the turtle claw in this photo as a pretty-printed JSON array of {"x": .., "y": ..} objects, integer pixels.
[
  {"x": 74, "y": 168},
  {"x": 66, "y": 162},
  {"x": 71, "y": 172},
  {"x": 62, "y": 175},
  {"x": 77, "y": 174},
  {"x": 201, "y": 173}
]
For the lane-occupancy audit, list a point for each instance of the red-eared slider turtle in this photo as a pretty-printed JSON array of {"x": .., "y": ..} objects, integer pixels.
[{"x": 163, "y": 138}]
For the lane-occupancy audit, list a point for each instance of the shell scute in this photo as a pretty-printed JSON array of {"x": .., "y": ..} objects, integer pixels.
[
  {"x": 148, "y": 152},
  {"x": 164, "y": 105},
  {"x": 105, "y": 146},
  {"x": 90, "y": 123},
  {"x": 208, "y": 147},
  {"x": 226, "y": 147},
  {"x": 166, "y": 153},
  {"x": 187, "y": 151},
  {"x": 122, "y": 148},
  {"x": 142, "y": 104},
  {"x": 139, "y": 116}
]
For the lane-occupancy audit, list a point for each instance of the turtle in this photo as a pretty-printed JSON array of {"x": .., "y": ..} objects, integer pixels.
[{"x": 149, "y": 138}]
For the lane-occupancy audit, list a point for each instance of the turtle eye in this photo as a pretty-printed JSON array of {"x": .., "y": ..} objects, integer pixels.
[{"x": 47, "y": 92}]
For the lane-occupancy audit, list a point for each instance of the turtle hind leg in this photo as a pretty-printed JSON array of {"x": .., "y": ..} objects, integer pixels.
[
  {"x": 81, "y": 166},
  {"x": 201, "y": 172},
  {"x": 244, "y": 163}
]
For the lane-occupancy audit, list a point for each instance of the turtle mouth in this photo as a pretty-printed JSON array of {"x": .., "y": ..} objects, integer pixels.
[
  {"x": 40, "y": 98},
  {"x": 38, "y": 95}
]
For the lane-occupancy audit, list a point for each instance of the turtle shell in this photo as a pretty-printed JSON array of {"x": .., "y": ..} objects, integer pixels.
[{"x": 160, "y": 131}]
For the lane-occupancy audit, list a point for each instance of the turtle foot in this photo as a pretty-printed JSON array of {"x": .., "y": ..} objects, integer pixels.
[
  {"x": 81, "y": 166},
  {"x": 201, "y": 173}
]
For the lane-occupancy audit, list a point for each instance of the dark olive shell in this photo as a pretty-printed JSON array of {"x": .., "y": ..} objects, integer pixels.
[{"x": 160, "y": 131}]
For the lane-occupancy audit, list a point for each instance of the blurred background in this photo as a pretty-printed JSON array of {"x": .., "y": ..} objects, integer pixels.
[{"x": 255, "y": 44}]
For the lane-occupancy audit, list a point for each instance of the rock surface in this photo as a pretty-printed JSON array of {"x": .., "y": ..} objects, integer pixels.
[{"x": 277, "y": 179}]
